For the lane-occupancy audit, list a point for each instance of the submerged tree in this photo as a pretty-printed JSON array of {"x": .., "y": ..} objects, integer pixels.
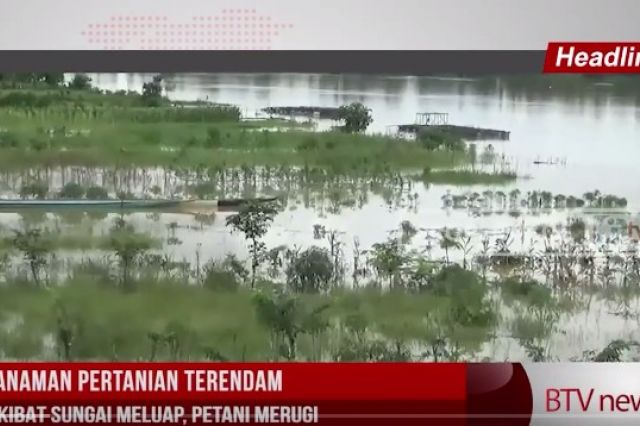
[
  {"x": 253, "y": 220},
  {"x": 152, "y": 92},
  {"x": 65, "y": 332},
  {"x": 128, "y": 247},
  {"x": 310, "y": 271},
  {"x": 80, "y": 82},
  {"x": 35, "y": 248},
  {"x": 356, "y": 117},
  {"x": 388, "y": 259},
  {"x": 449, "y": 239},
  {"x": 52, "y": 78}
]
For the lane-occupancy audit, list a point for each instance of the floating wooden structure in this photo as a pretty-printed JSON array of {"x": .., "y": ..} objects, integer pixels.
[
  {"x": 440, "y": 121},
  {"x": 432, "y": 118},
  {"x": 551, "y": 162},
  {"x": 330, "y": 113}
]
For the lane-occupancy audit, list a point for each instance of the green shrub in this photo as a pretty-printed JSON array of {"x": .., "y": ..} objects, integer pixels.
[
  {"x": 72, "y": 190},
  {"x": 80, "y": 82},
  {"x": 37, "y": 190},
  {"x": 9, "y": 140},
  {"x": 217, "y": 279},
  {"x": 356, "y": 117},
  {"x": 308, "y": 144},
  {"x": 38, "y": 144},
  {"x": 310, "y": 271},
  {"x": 214, "y": 139},
  {"x": 97, "y": 193}
]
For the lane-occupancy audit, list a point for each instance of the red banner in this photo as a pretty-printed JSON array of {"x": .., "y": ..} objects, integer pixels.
[
  {"x": 592, "y": 58},
  {"x": 262, "y": 393}
]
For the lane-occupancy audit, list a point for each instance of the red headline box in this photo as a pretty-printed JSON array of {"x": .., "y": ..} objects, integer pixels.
[
  {"x": 592, "y": 58},
  {"x": 195, "y": 381},
  {"x": 259, "y": 393}
]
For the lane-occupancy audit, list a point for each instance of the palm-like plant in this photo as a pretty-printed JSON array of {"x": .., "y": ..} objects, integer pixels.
[{"x": 448, "y": 240}]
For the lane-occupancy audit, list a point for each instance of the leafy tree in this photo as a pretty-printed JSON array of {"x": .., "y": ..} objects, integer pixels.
[
  {"x": 468, "y": 296},
  {"x": 577, "y": 229},
  {"x": 152, "y": 92},
  {"x": 310, "y": 271},
  {"x": 80, "y": 82},
  {"x": 388, "y": 258},
  {"x": 52, "y": 78},
  {"x": 356, "y": 117},
  {"x": 128, "y": 247},
  {"x": 35, "y": 248},
  {"x": 253, "y": 221}
]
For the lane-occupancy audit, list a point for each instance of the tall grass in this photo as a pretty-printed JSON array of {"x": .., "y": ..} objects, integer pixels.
[
  {"x": 24, "y": 143},
  {"x": 467, "y": 177},
  {"x": 108, "y": 323},
  {"x": 90, "y": 128}
]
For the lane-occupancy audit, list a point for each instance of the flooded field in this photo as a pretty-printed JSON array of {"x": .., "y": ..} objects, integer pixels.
[{"x": 549, "y": 253}]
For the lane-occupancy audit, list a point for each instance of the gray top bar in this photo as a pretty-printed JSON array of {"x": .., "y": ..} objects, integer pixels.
[{"x": 415, "y": 62}]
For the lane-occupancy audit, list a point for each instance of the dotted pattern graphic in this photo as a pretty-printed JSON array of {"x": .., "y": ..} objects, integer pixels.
[{"x": 232, "y": 29}]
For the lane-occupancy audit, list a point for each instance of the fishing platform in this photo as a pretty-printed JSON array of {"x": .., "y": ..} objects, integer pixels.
[
  {"x": 440, "y": 121},
  {"x": 328, "y": 113}
]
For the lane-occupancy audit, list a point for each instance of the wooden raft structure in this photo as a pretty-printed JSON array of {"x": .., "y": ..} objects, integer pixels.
[{"x": 440, "y": 121}]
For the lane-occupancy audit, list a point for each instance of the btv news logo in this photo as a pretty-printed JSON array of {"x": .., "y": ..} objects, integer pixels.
[
  {"x": 583, "y": 400},
  {"x": 597, "y": 58}
]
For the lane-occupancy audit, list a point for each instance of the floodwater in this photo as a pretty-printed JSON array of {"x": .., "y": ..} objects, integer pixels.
[
  {"x": 594, "y": 136},
  {"x": 596, "y": 132}
]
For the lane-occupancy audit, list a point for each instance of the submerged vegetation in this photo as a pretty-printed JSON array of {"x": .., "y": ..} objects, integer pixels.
[
  {"x": 393, "y": 301},
  {"x": 74, "y": 124},
  {"x": 160, "y": 286},
  {"x": 467, "y": 177},
  {"x": 537, "y": 201}
]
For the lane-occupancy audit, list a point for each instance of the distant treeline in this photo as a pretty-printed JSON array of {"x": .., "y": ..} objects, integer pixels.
[{"x": 51, "y": 79}]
